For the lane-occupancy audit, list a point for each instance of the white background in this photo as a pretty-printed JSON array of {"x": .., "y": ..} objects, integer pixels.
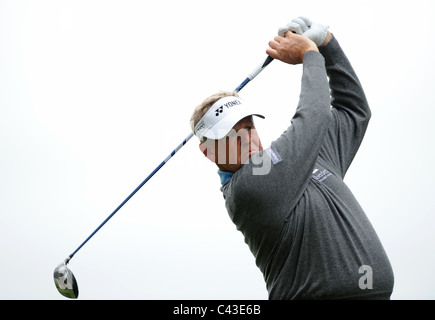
[{"x": 95, "y": 94}]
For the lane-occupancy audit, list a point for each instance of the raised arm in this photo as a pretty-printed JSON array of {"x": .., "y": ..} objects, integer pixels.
[
  {"x": 351, "y": 111},
  {"x": 299, "y": 145}
]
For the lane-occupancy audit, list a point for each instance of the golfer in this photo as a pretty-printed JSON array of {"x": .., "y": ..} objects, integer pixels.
[{"x": 310, "y": 237}]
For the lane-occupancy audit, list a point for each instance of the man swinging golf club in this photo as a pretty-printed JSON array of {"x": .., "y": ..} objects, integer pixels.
[{"x": 310, "y": 237}]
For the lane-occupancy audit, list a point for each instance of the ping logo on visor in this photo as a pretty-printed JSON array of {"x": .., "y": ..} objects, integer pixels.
[{"x": 222, "y": 117}]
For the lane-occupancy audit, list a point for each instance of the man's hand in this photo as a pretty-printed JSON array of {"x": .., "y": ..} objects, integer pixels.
[
  {"x": 291, "y": 48},
  {"x": 303, "y": 26}
]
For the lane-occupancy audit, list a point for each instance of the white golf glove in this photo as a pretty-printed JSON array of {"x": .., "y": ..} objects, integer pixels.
[{"x": 303, "y": 26}]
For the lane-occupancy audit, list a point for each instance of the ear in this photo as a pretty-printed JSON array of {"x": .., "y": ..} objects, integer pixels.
[{"x": 208, "y": 149}]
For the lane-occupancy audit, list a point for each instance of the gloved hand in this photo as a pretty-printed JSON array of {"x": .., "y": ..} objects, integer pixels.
[{"x": 303, "y": 26}]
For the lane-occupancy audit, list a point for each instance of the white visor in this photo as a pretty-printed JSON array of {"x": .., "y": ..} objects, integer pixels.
[{"x": 222, "y": 117}]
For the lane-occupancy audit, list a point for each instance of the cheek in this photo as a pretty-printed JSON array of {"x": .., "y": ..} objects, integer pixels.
[
  {"x": 233, "y": 151},
  {"x": 255, "y": 141},
  {"x": 233, "y": 147}
]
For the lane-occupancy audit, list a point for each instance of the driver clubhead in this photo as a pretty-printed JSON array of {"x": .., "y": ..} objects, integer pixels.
[{"x": 65, "y": 281}]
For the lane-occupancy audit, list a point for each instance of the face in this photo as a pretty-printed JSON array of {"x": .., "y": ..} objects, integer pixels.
[{"x": 232, "y": 151}]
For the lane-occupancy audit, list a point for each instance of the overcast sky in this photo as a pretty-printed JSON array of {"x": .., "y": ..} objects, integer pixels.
[{"x": 95, "y": 94}]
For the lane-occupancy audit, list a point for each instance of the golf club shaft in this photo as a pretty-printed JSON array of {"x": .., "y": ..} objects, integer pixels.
[
  {"x": 133, "y": 193},
  {"x": 251, "y": 76}
]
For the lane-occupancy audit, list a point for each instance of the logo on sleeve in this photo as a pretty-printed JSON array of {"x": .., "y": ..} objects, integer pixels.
[{"x": 321, "y": 175}]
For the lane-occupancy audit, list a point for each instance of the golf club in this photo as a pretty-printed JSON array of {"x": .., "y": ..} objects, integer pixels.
[{"x": 64, "y": 279}]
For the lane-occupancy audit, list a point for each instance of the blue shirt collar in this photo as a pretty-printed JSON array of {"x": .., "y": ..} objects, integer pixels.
[{"x": 225, "y": 176}]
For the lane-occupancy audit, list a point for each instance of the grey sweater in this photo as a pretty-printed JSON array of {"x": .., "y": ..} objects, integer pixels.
[{"x": 309, "y": 235}]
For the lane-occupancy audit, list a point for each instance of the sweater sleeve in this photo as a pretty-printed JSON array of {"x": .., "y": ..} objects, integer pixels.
[
  {"x": 350, "y": 109},
  {"x": 259, "y": 203},
  {"x": 298, "y": 148},
  {"x": 300, "y": 143}
]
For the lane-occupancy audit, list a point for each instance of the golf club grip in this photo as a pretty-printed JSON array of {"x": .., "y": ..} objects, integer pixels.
[
  {"x": 251, "y": 76},
  {"x": 255, "y": 73},
  {"x": 260, "y": 68}
]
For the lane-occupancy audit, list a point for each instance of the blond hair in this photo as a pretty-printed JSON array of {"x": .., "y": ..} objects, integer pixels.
[{"x": 202, "y": 109}]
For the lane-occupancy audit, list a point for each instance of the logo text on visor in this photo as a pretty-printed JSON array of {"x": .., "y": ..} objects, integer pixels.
[
  {"x": 227, "y": 105},
  {"x": 221, "y": 117}
]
